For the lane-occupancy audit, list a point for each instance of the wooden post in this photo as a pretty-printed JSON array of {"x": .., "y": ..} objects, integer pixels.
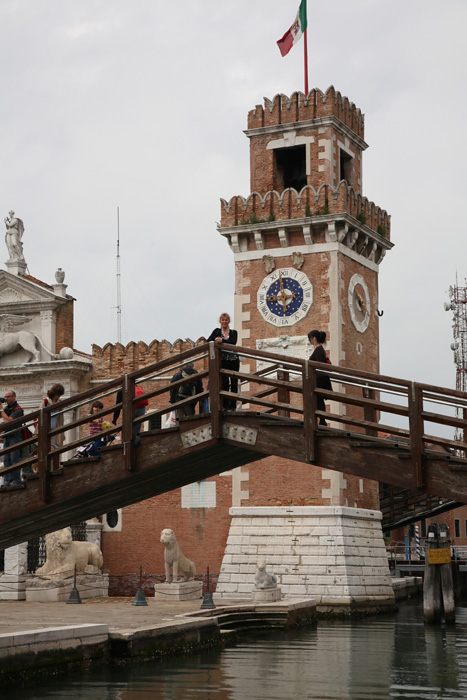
[
  {"x": 214, "y": 388},
  {"x": 416, "y": 434},
  {"x": 438, "y": 589},
  {"x": 447, "y": 585},
  {"x": 309, "y": 423},
  {"x": 43, "y": 446},
  {"x": 369, "y": 412},
  {"x": 283, "y": 393},
  {"x": 314, "y": 398},
  {"x": 128, "y": 413}
]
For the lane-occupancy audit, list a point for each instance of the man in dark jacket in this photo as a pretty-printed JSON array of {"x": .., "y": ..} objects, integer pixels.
[{"x": 180, "y": 393}]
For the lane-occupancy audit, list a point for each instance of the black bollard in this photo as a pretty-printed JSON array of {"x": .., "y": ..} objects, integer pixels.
[
  {"x": 74, "y": 598},
  {"x": 140, "y": 598},
  {"x": 208, "y": 603}
]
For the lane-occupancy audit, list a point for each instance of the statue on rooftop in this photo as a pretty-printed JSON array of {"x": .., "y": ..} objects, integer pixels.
[{"x": 13, "y": 236}]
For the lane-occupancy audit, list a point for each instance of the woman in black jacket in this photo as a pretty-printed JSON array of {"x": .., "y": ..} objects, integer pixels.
[
  {"x": 317, "y": 338},
  {"x": 229, "y": 360}
]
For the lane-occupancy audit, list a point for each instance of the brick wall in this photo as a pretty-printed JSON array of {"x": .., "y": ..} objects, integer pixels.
[{"x": 65, "y": 328}]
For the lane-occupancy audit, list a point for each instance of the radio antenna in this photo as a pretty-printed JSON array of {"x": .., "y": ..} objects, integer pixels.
[{"x": 119, "y": 292}]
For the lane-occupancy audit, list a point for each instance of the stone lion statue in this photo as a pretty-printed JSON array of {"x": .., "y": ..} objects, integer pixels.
[
  {"x": 174, "y": 558},
  {"x": 263, "y": 579},
  {"x": 63, "y": 553}
]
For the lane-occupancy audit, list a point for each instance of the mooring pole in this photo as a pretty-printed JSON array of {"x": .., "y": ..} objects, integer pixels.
[
  {"x": 438, "y": 589},
  {"x": 447, "y": 585}
]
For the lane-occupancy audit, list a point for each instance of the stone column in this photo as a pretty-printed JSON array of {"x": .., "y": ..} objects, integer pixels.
[
  {"x": 48, "y": 323},
  {"x": 13, "y": 581},
  {"x": 94, "y": 531}
]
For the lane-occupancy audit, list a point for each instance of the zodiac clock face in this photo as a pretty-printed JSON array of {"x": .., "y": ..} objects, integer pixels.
[
  {"x": 359, "y": 303},
  {"x": 285, "y": 297}
]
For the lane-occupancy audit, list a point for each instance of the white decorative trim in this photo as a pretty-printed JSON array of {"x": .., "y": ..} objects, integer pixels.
[
  {"x": 118, "y": 527},
  {"x": 238, "y": 433},
  {"x": 361, "y": 326},
  {"x": 241, "y": 317},
  {"x": 196, "y": 436},
  {"x": 230, "y": 431},
  {"x": 200, "y": 494},
  {"x": 316, "y": 248},
  {"x": 320, "y": 123}
]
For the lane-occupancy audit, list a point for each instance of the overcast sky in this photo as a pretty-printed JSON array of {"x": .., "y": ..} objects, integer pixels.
[{"x": 142, "y": 105}]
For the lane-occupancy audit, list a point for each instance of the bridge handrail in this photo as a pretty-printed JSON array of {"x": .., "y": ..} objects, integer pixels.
[{"x": 297, "y": 395}]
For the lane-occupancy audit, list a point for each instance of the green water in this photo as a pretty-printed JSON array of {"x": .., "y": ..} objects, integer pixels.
[{"x": 391, "y": 656}]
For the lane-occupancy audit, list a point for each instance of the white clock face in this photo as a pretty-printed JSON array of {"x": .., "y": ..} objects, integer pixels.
[
  {"x": 359, "y": 303},
  {"x": 285, "y": 297}
]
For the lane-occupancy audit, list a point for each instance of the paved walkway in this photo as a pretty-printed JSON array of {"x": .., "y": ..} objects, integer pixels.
[{"x": 117, "y": 613}]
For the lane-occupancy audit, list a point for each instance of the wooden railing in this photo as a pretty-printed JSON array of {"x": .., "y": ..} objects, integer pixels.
[{"x": 376, "y": 406}]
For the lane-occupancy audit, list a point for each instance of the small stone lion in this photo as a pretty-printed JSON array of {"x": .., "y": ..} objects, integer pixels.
[
  {"x": 63, "y": 553},
  {"x": 263, "y": 579},
  {"x": 173, "y": 557}
]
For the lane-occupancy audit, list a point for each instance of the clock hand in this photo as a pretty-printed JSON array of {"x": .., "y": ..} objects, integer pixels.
[
  {"x": 361, "y": 300},
  {"x": 283, "y": 295}
]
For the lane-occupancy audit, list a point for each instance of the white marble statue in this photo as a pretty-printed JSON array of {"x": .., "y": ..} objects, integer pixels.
[
  {"x": 174, "y": 558},
  {"x": 11, "y": 339},
  {"x": 262, "y": 578},
  {"x": 13, "y": 236},
  {"x": 63, "y": 553}
]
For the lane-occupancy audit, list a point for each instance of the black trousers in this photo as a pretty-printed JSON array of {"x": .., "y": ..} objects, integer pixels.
[{"x": 230, "y": 384}]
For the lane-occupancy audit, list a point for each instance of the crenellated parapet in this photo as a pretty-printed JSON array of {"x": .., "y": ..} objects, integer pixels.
[
  {"x": 308, "y": 203},
  {"x": 300, "y": 107},
  {"x": 115, "y": 359}
]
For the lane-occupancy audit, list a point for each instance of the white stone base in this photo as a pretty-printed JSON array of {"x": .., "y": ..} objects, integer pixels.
[
  {"x": 185, "y": 590},
  {"x": 40, "y": 590},
  {"x": 334, "y": 554},
  {"x": 12, "y": 587},
  {"x": 266, "y": 595}
]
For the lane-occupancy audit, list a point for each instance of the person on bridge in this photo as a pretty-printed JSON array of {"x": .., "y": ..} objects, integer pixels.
[
  {"x": 54, "y": 395},
  {"x": 229, "y": 360},
  {"x": 95, "y": 424},
  {"x": 12, "y": 437},
  {"x": 140, "y": 409},
  {"x": 180, "y": 393},
  {"x": 317, "y": 339}
]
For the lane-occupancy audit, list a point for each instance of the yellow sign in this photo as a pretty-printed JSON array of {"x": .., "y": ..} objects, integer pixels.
[{"x": 438, "y": 556}]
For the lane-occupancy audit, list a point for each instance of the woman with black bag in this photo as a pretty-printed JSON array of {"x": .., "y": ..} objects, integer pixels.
[
  {"x": 317, "y": 339},
  {"x": 229, "y": 360}
]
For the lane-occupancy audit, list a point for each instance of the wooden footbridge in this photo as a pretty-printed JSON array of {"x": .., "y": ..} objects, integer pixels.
[{"x": 397, "y": 432}]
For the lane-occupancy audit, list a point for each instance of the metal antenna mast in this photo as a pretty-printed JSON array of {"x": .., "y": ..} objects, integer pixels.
[{"x": 119, "y": 291}]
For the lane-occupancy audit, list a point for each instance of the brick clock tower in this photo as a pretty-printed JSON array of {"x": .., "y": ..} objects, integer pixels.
[{"x": 307, "y": 223}]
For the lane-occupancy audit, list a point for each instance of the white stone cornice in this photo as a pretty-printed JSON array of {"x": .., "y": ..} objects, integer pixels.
[
  {"x": 29, "y": 306},
  {"x": 356, "y": 240},
  {"x": 22, "y": 373},
  {"x": 338, "y": 125},
  {"x": 306, "y": 249}
]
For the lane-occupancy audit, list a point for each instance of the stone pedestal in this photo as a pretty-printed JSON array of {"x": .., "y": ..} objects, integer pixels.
[
  {"x": 266, "y": 595},
  {"x": 334, "y": 554},
  {"x": 41, "y": 590},
  {"x": 185, "y": 590},
  {"x": 16, "y": 267},
  {"x": 13, "y": 581}
]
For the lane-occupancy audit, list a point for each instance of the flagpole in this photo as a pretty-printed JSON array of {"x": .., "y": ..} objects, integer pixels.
[{"x": 305, "y": 49}]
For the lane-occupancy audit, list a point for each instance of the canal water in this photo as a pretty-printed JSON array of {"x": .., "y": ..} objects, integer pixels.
[{"x": 390, "y": 656}]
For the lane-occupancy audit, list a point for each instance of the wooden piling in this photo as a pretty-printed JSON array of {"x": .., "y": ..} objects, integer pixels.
[{"x": 438, "y": 588}]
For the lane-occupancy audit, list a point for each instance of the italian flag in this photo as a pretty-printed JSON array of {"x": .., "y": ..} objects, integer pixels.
[{"x": 293, "y": 34}]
